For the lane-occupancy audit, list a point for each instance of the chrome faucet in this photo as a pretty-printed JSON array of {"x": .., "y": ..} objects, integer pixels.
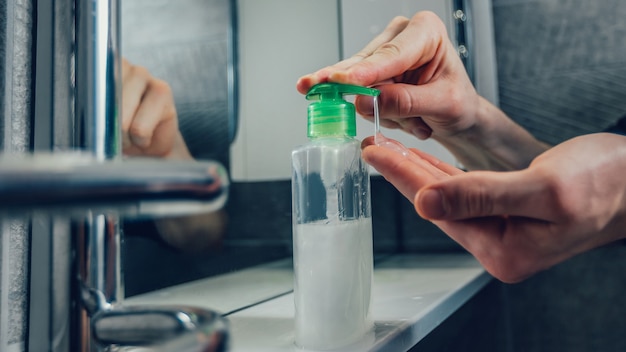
[
  {"x": 100, "y": 318},
  {"x": 78, "y": 305},
  {"x": 98, "y": 78},
  {"x": 96, "y": 240}
]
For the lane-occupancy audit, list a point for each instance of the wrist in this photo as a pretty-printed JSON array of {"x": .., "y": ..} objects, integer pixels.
[{"x": 493, "y": 141}]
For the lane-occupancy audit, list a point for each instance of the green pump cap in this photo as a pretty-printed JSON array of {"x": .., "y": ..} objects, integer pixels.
[{"x": 331, "y": 115}]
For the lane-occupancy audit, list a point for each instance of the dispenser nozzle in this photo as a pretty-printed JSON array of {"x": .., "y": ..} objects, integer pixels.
[
  {"x": 331, "y": 115},
  {"x": 337, "y": 91}
]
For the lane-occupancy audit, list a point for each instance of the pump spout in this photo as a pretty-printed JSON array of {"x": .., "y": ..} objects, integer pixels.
[
  {"x": 333, "y": 91},
  {"x": 330, "y": 114}
]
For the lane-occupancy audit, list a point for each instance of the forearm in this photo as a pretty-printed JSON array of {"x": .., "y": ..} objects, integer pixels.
[{"x": 494, "y": 142}]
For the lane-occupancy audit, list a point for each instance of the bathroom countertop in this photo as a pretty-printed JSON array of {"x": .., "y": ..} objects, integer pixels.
[
  {"x": 227, "y": 293},
  {"x": 412, "y": 295}
]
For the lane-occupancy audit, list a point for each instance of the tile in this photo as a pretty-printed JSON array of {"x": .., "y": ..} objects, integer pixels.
[
  {"x": 560, "y": 64},
  {"x": 575, "y": 306}
]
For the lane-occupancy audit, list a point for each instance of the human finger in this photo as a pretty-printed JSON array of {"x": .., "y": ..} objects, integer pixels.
[
  {"x": 441, "y": 165},
  {"x": 502, "y": 245},
  {"x": 415, "y": 126},
  {"x": 446, "y": 168},
  {"x": 417, "y": 156},
  {"x": 407, "y": 173},
  {"x": 387, "y": 123},
  {"x": 394, "y": 27},
  {"x": 134, "y": 84},
  {"x": 438, "y": 98},
  {"x": 417, "y": 44},
  {"x": 154, "y": 125},
  {"x": 482, "y": 194}
]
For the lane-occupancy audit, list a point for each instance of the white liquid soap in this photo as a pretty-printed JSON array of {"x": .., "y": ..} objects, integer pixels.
[{"x": 333, "y": 270}]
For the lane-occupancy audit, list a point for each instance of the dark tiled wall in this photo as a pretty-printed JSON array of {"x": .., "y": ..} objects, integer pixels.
[
  {"x": 561, "y": 64},
  {"x": 479, "y": 325},
  {"x": 577, "y": 306},
  {"x": 562, "y": 73}
]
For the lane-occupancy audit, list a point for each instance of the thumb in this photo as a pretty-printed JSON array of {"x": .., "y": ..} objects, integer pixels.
[{"x": 481, "y": 194}]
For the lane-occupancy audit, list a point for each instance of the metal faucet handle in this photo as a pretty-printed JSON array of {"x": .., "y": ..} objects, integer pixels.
[
  {"x": 69, "y": 183},
  {"x": 160, "y": 328}
]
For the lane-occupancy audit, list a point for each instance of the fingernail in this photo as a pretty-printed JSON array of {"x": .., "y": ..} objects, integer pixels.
[
  {"x": 366, "y": 110},
  {"x": 432, "y": 204},
  {"x": 141, "y": 142},
  {"x": 421, "y": 133}
]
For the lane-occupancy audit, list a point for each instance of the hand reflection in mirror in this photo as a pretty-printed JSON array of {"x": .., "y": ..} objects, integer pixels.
[{"x": 150, "y": 129}]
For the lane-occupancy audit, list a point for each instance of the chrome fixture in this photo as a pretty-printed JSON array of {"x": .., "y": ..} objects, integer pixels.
[
  {"x": 98, "y": 78},
  {"x": 76, "y": 188},
  {"x": 96, "y": 240}
]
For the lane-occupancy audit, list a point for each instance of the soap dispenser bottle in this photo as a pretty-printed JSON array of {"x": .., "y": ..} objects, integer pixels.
[{"x": 332, "y": 224}]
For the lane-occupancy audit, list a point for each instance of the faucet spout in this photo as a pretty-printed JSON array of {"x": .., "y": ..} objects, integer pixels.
[
  {"x": 164, "y": 328},
  {"x": 75, "y": 198},
  {"x": 97, "y": 130}
]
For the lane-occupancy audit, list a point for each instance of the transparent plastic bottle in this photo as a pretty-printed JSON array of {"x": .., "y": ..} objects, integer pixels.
[{"x": 332, "y": 224}]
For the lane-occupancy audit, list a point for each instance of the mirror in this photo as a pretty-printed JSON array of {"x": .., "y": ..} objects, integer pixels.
[
  {"x": 189, "y": 44},
  {"x": 277, "y": 45}
]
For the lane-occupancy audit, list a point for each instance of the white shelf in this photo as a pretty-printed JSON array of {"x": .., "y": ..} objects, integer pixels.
[
  {"x": 228, "y": 292},
  {"x": 412, "y": 295}
]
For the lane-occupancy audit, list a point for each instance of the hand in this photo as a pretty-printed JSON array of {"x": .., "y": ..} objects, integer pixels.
[
  {"x": 150, "y": 128},
  {"x": 426, "y": 92},
  {"x": 424, "y": 87},
  {"x": 149, "y": 119},
  {"x": 570, "y": 199}
]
